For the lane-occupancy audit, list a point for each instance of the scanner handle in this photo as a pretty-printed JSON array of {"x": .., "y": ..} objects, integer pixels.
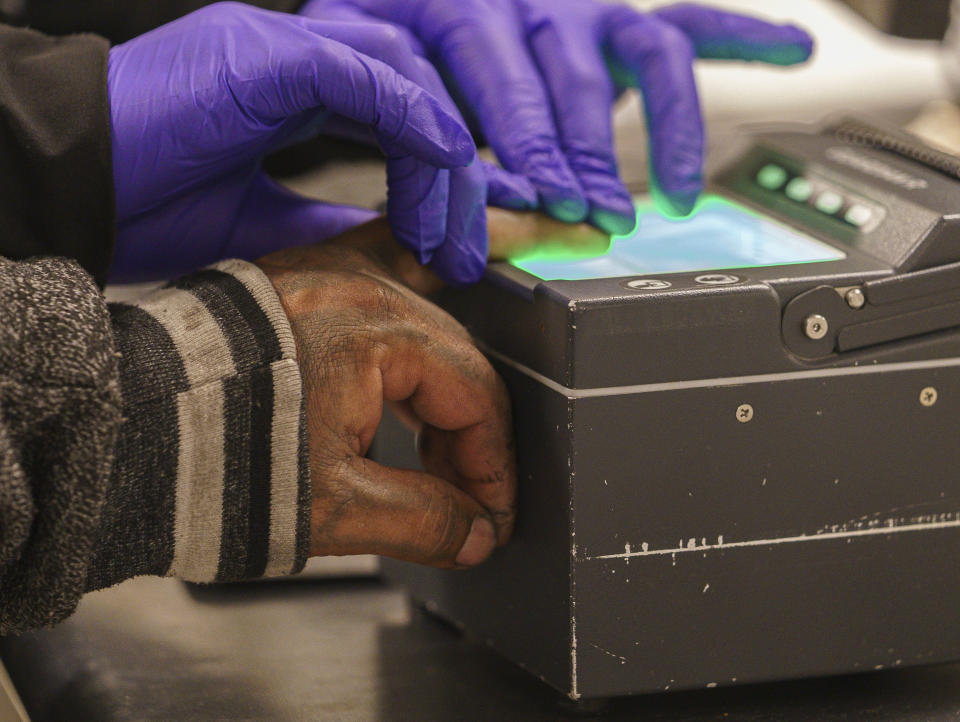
[
  {"x": 913, "y": 285},
  {"x": 826, "y": 320},
  {"x": 897, "y": 141}
]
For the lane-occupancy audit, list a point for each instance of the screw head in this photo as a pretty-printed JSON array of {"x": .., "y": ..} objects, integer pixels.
[
  {"x": 815, "y": 326},
  {"x": 928, "y": 396},
  {"x": 744, "y": 413},
  {"x": 855, "y": 298}
]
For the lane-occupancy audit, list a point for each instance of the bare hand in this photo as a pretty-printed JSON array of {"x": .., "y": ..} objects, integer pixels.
[{"x": 364, "y": 339}]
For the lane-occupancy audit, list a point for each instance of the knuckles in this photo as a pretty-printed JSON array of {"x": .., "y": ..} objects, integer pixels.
[
  {"x": 389, "y": 40},
  {"x": 223, "y": 16}
]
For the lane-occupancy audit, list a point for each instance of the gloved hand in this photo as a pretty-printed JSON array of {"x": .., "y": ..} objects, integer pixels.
[
  {"x": 197, "y": 103},
  {"x": 540, "y": 76}
]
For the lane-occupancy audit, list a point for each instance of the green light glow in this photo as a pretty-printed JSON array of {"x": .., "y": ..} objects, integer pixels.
[
  {"x": 645, "y": 205},
  {"x": 718, "y": 233}
]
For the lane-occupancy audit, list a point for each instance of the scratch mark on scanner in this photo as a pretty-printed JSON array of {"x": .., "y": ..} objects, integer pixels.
[
  {"x": 623, "y": 660},
  {"x": 878, "y": 517},
  {"x": 847, "y": 530}
]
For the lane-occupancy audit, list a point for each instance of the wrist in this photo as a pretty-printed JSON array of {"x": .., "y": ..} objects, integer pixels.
[{"x": 213, "y": 398}]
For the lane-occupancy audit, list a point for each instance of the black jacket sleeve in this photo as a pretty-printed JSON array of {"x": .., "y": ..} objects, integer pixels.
[
  {"x": 56, "y": 175},
  {"x": 119, "y": 20}
]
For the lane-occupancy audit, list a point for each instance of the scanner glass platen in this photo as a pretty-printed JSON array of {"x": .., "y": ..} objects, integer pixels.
[{"x": 718, "y": 234}]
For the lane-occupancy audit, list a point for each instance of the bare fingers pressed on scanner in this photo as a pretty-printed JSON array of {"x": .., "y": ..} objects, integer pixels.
[
  {"x": 512, "y": 234},
  {"x": 363, "y": 340}
]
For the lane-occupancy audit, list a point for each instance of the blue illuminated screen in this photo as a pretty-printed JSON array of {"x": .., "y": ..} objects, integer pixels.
[{"x": 719, "y": 234}]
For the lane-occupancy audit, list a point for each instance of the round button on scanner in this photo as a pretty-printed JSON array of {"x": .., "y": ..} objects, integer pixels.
[
  {"x": 828, "y": 202},
  {"x": 647, "y": 284},
  {"x": 716, "y": 279},
  {"x": 858, "y": 215},
  {"x": 799, "y": 190},
  {"x": 771, "y": 177}
]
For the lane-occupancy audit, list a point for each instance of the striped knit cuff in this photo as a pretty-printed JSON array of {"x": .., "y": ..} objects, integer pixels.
[{"x": 212, "y": 463}]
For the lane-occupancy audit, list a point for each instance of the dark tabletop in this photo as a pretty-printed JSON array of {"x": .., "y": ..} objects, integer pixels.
[{"x": 342, "y": 649}]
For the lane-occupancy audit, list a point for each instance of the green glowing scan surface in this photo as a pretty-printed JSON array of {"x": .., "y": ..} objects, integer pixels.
[{"x": 718, "y": 234}]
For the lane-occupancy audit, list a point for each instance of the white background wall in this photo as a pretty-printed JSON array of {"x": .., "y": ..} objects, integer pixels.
[{"x": 855, "y": 67}]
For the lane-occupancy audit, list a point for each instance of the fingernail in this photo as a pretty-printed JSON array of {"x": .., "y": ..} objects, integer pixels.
[{"x": 479, "y": 544}]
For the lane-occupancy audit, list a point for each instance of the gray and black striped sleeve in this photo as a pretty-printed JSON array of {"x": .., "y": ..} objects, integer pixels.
[{"x": 210, "y": 480}]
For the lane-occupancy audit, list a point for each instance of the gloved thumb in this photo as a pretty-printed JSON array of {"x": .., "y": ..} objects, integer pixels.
[
  {"x": 242, "y": 216},
  {"x": 275, "y": 217}
]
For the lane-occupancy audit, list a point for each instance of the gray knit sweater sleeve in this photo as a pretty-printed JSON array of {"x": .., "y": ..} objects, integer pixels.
[{"x": 161, "y": 437}]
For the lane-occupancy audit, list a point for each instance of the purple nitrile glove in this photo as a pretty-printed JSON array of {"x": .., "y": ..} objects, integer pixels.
[
  {"x": 418, "y": 192},
  {"x": 540, "y": 76},
  {"x": 197, "y": 103}
]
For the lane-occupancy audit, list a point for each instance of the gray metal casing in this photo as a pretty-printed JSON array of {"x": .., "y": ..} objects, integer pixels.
[{"x": 666, "y": 543}]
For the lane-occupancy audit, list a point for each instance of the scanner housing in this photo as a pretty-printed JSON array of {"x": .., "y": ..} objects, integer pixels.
[{"x": 713, "y": 489}]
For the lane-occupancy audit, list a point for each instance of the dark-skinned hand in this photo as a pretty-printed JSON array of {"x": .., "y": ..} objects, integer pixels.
[{"x": 364, "y": 339}]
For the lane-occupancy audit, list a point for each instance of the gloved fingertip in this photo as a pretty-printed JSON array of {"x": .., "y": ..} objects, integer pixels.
[
  {"x": 675, "y": 204},
  {"x": 796, "y": 46},
  {"x": 614, "y": 222},
  {"x": 513, "y": 202},
  {"x": 513, "y": 198},
  {"x": 558, "y": 188},
  {"x": 463, "y": 151},
  {"x": 565, "y": 207},
  {"x": 799, "y": 36},
  {"x": 612, "y": 209}
]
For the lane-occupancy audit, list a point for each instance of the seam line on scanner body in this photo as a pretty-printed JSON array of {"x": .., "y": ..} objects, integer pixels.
[
  {"x": 721, "y": 381},
  {"x": 882, "y": 530}
]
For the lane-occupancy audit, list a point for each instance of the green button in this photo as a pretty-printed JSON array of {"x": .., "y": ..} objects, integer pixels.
[
  {"x": 829, "y": 202},
  {"x": 771, "y": 177},
  {"x": 799, "y": 190},
  {"x": 857, "y": 215}
]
